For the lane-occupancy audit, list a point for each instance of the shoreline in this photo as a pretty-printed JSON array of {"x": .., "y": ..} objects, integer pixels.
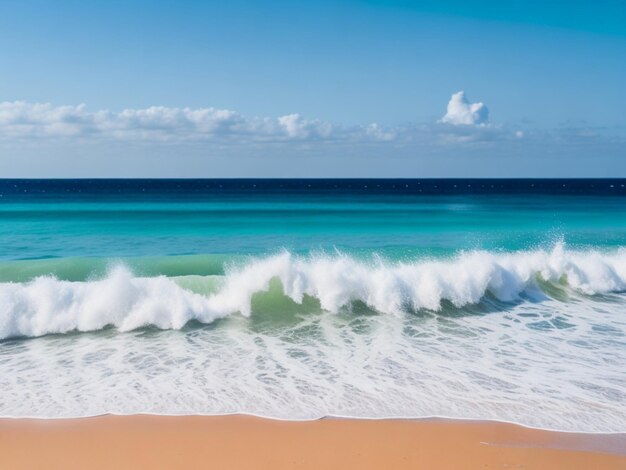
[
  {"x": 243, "y": 441},
  {"x": 245, "y": 414}
]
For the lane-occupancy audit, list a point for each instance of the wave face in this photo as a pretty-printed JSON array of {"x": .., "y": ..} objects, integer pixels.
[
  {"x": 481, "y": 334},
  {"x": 48, "y": 305}
]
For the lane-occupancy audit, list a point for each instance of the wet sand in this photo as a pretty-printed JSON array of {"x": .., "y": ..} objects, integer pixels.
[{"x": 244, "y": 442}]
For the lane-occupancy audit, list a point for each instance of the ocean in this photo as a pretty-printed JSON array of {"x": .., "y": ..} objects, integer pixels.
[{"x": 299, "y": 299}]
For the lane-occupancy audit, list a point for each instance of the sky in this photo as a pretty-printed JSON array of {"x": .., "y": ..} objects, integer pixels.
[{"x": 321, "y": 88}]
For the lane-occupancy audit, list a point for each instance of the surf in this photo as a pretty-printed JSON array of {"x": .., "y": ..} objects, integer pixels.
[{"x": 333, "y": 283}]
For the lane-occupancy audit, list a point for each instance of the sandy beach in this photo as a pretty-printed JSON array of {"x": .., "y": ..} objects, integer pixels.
[{"x": 242, "y": 442}]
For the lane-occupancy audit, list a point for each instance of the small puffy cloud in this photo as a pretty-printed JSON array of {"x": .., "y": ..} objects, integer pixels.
[
  {"x": 378, "y": 133},
  {"x": 461, "y": 112},
  {"x": 20, "y": 118},
  {"x": 297, "y": 127}
]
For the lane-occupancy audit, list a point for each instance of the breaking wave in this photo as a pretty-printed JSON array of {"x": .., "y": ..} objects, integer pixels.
[{"x": 46, "y": 304}]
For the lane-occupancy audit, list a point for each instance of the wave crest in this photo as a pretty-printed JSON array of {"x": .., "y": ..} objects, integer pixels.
[{"x": 48, "y": 305}]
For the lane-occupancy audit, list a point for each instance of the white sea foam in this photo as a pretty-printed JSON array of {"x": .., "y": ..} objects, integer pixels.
[
  {"x": 48, "y": 305},
  {"x": 553, "y": 357},
  {"x": 550, "y": 364}
]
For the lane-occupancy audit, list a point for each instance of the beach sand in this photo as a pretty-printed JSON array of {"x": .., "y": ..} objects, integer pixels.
[{"x": 237, "y": 442}]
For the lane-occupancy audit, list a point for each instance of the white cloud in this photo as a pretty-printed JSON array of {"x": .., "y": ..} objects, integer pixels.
[
  {"x": 298, "y": 128},
  {"x": 38, "y": 121},
  {"x": 20, "y": 119},
  {"x": 465, "y": 125},
  {"x": 462, "y": 112}
]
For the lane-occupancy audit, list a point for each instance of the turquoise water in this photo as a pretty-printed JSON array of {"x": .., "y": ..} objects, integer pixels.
[
  {"x": 397, "y": 228},
  {"x": 297, "y": 300}
]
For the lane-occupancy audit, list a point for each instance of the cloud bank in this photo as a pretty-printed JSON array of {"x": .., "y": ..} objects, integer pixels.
[
  {"x": 44, "y": 140},
  {"x": 21, "y": 121},
  {"x": 464, "y": 124},
  {"x": 36, "y": 120},
  {"x": 461, "y": 112}
]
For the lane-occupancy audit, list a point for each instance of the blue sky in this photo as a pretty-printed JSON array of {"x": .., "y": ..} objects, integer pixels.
[{"x": 311, "y": 88}]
